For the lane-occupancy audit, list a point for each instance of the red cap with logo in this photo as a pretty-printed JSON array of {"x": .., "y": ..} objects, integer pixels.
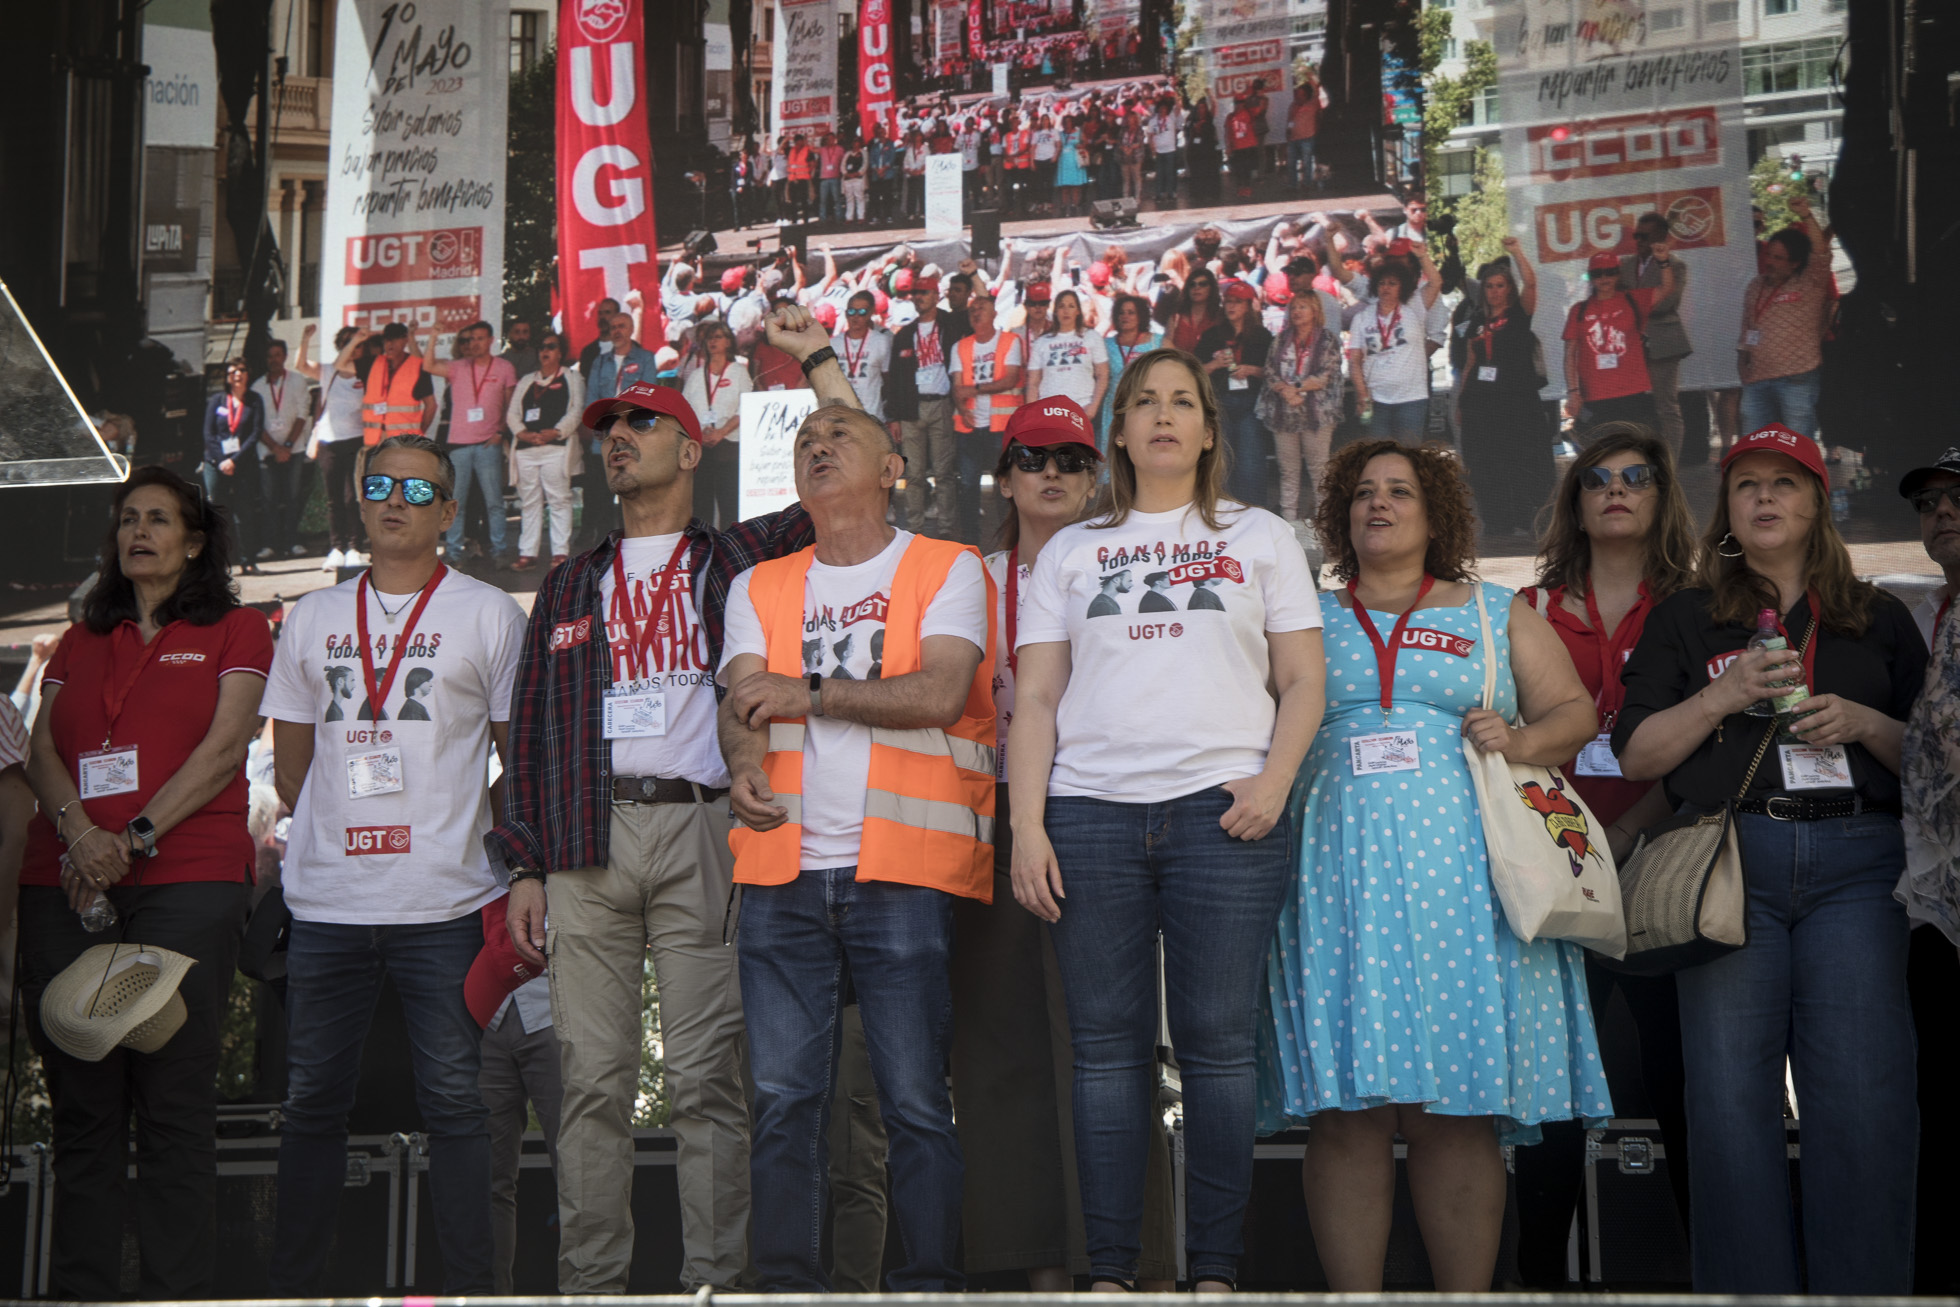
[
  {"x": 1239, "y": 290},
  {"x": 925, "y": 283},
  {"x": 902, "y": 282},
  {"x": 1777, "y": 439},
  {"x": 1603, "y": 263},
  {"x": 497, "y": 972},
  {"x": 1037, "y": 293},
  {"x": 644, "y": 398},
  {"x": 731, "y": 281},
  {"x": 1057, "y": 420}
]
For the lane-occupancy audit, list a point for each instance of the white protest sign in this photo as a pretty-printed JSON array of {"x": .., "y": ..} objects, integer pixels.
[
  {"x": 1000, "y": 79},
  {"x": 943, "y": 212},
  {"x": 768, "y": 447}
]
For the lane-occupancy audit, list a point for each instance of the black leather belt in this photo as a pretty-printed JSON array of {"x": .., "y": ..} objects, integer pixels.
[
  {"x": 1792, "y": 807},
  {"x": 662, "y": 789}
]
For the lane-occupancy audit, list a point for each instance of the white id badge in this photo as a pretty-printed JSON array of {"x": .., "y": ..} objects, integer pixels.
[
  {"x": 635, "y": 714},
  {"x": 1371, "y": 755},
  {"x": 534, "y": 415},
  {"x": 369, "y": 774},
  {"x": 228, "y": 445},
  {"x": 1815, "y": 767},
  {"x": 102, "y": 772},
  {"x": 1596, "y": 758},
  {"x": 1237, "y": 383},
  {"x": 1486, "y": 373},
  {"x": 1608, "y": 362},
  {"x": 1752, "y": 338},
  {"x": 475, "y": 415}
]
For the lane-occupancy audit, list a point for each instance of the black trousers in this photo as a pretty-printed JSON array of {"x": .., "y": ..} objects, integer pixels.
[
  {"x": 173, "y": 1093},
  {"x": 337, "y": 459}
]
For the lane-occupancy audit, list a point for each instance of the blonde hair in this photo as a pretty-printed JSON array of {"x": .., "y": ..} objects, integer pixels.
[{"x": 1121, "y": 496}]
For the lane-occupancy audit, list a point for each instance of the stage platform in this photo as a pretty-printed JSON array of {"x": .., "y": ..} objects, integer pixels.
[{"x": 703, "y": 1298}]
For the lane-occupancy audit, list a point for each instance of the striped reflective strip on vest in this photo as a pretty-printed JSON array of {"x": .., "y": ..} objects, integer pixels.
[
  {"x": 966, "y": 754},
  {"x": 785, "y": 737},
  {"x": 929, "y": 814}
]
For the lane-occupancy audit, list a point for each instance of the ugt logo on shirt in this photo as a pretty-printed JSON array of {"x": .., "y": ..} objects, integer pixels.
[{"x": 365, "y": 840}]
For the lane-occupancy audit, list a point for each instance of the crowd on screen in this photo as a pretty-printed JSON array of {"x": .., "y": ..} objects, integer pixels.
[{"x": 916, "y": 824}]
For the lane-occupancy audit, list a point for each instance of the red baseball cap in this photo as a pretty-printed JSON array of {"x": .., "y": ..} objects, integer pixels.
[
  {"x": 497, "y": 972},
  {"x": 1277, "y": 291},
  {"x": 1099, "y": 274},
  {"x": 1239, "y": 290},
  {"x": 731, "y": 281},
  {"x": 1603, "y": 263},
  {"x": 826, "y": 313},
  {"x": 1778, "y": 439},
  {"x": 1057, "y": 420},
  {"x": 902, "y": 282},
  {"x": 644, "y": 398},
  {"x": 1037, "y": 293},
  {"x": 925, "y": 283}
]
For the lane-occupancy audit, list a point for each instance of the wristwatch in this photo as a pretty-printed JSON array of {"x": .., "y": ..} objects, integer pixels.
[
  {"x": 516, "y": 876},
  {"x": 816, "y": 694},
  {"x": 818, "y": 359},
  {"x": 142, "y": 834}
]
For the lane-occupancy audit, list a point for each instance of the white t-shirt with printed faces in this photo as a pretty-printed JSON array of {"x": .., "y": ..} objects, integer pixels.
[
  {"x": 989, "y": 355},
  {"x": 410, "y": 849},
  {"x": 1393, "y": 358},
  {"x": 1004, "y": 670},
  {"x": 1067, "y": 364},
  {"x": 844, "y": 638},
  {"x": 674, "y": 665},
  {"x": 931, "y": 351},
  {"x": 1166, "y": 623},
  {"x": 865, "y": 362}
]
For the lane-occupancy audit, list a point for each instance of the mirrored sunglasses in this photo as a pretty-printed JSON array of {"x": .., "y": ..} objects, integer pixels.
[
  {"x": 1637, "y": 477},
  {"x": 419, "y": 491}
]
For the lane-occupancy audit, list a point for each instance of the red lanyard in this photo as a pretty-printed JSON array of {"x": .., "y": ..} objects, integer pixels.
[
  {"x": 114, "y": 696},
  {"x": 378, "y": 693},
  {"x": 278, "y": 392},
  {"x": 1611, "y": 692},
  {"x": 663, "y": 599},
  {"x": 1385, "y": 653},
  {"x": 1387, "y": 331},
  {"x": 234, "y": 410},
  {"x": 1129, "y": 351},
  {"x": 851, "y": 360},
  {"x": 1488, "y": 336},
  {"x": 476, "y": 384},
  {"x": 715, "y": 383},
  {"x": 1810, "y": 649},
  {"x": 1013, "y": 606}
]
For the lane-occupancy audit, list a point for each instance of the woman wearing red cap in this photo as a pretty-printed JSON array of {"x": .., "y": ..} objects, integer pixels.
[
  {"x": 1822, "y": 979},
  {"x": 1234, "y": 353}
]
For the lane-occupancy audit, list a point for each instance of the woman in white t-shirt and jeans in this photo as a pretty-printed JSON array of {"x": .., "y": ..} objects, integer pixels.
[
  {"x": 715, "y": 391},
  {"x": 1151, "y": 766},
  {"x": 1069, "y": 360}
]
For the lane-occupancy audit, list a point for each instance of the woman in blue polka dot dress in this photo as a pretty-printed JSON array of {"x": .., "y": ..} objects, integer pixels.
[{"x": 1399, "y": 1000}]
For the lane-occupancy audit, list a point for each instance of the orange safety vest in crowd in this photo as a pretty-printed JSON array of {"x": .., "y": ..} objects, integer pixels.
[
  {"x": 801, "y": 161},
  {"x": 1001, "y": 404},
  {"x": 1020, "y": 149},
  {"x": 390, "y": 408},
  {"x": 929, "y": 796}
]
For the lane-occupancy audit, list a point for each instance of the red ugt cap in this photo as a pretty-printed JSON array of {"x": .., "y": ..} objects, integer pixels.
[
  {"x": 644, "y": 398},
  {"x": 1602, "y": 263},
  {"x": 1777, "y": 439},
  {"x": 1057, "y": 420},
  {"x": 497, "y": 972}
]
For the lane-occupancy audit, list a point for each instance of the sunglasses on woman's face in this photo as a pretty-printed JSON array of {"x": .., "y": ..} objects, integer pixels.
[
  {"x": 1067, "y": 461},
  {"x": 857, "y": 313},
  {"x": 419, "y": 491},
  {"x": 1637, "y": 477}
]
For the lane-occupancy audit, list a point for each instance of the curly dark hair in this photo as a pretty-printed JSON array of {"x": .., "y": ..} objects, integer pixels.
[
  {"x": 205, "y": 593},
  {"x": 1452, "y": 552}
]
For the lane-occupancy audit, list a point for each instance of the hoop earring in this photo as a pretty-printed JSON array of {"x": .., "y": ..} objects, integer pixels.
[{"x": 1728, "y": 538}]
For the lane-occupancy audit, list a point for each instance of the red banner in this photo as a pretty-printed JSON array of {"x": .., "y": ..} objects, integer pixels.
[
  {"x": 606, "y": 241},
  {"x": 976, "y": 31},
  {"x": 1577, "y": 229},
  {"x": 875, "y": 65}
]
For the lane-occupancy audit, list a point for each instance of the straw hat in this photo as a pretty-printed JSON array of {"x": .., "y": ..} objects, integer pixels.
[{"x": 116, "y": 994}]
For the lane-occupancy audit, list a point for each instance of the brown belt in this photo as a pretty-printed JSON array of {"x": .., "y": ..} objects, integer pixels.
[{"x": 662, "y": 789}]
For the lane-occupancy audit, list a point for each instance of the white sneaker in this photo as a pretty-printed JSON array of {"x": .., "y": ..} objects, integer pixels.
[
  {"x": 297, "y": 551},
  {"x": 265, "y": 553},
  {"x": 334, "y": 561},
  {"x": 354, "y": 558}
]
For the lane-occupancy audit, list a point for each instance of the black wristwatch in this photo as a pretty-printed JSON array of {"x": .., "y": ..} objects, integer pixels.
[
  {"x": 818, "y": 359},
  {"x": 142, "y": 835},
  {"x": 816, "y": 694},
  {"x": 516, "y": 876}
]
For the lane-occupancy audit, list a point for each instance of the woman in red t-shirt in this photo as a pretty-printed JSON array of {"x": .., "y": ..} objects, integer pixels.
[
  {"x": 137, "y": 765},
  {"x": 1621, "y": 540}
]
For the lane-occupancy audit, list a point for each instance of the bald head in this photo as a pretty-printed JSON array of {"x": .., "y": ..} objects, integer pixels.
[{"x": 845, "y": 454}]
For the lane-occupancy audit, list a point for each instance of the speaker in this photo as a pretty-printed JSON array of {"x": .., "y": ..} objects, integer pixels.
[
  {"x": 1114, "y": 213},
  {"x": 986, "y": 234},
  {"x": 698, "y": 243}
]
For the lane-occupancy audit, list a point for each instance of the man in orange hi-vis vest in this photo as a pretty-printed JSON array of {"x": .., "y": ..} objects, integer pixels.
[{"x": 859, "y": 735}]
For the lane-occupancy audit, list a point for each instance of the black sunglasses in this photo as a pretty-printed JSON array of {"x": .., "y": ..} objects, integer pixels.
[
  {"x": 1067, "y": 461},
  {"x": 1637, "y": 477},
  {"x": 1928, "y": 501},
  {"x": 419, "y": 491}
]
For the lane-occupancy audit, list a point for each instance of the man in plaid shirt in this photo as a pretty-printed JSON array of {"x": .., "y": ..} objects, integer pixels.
[{"x": 616, "y": 817}]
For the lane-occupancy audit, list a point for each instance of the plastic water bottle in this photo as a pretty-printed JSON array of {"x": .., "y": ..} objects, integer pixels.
[
  {"x": 1767, "y": 636},
  {"x": 100, "y": 914}
]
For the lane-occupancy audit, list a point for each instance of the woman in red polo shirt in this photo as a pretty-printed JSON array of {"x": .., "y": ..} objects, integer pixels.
[
  {"x": 137, "y": 766},
  {"x": 1621, "y": 540}
]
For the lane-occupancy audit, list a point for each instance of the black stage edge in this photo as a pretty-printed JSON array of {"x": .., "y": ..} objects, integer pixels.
[{"x": 1058, "y": 1299}]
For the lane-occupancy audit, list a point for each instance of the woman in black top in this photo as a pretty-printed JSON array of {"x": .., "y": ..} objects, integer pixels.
[
  {"x": 1234, "y": 354},
  {"x": 1822, "y": 978},
  {"x": 234, "y": 418},
  {"x": 1505, "y": 436}
]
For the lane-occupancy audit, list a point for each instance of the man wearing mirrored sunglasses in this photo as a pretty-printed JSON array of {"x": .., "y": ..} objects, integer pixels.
[
  {"x": 385, "y": 867},
  {"x": 617, "y": 820},
  {"x": 865, "y": 350}
]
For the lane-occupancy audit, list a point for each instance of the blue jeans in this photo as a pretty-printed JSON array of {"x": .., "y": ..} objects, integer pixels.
[
  {"x": 830, "y": 198},
  {"x": 797, "y": 942},
  {"x": 279, "y": 499},
  {"x": 1132, "y": 870},
  {"x": 1404, "y": 421},
  {"x": 333, "y": 976},
  {"x": 483, "y": 464},
  {"x": 1790, "y": 400},
  {"x": 1299, "y": 161},
  {"x": 1823, "y": 982},
  {"x": 1247, "y": 441}
]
